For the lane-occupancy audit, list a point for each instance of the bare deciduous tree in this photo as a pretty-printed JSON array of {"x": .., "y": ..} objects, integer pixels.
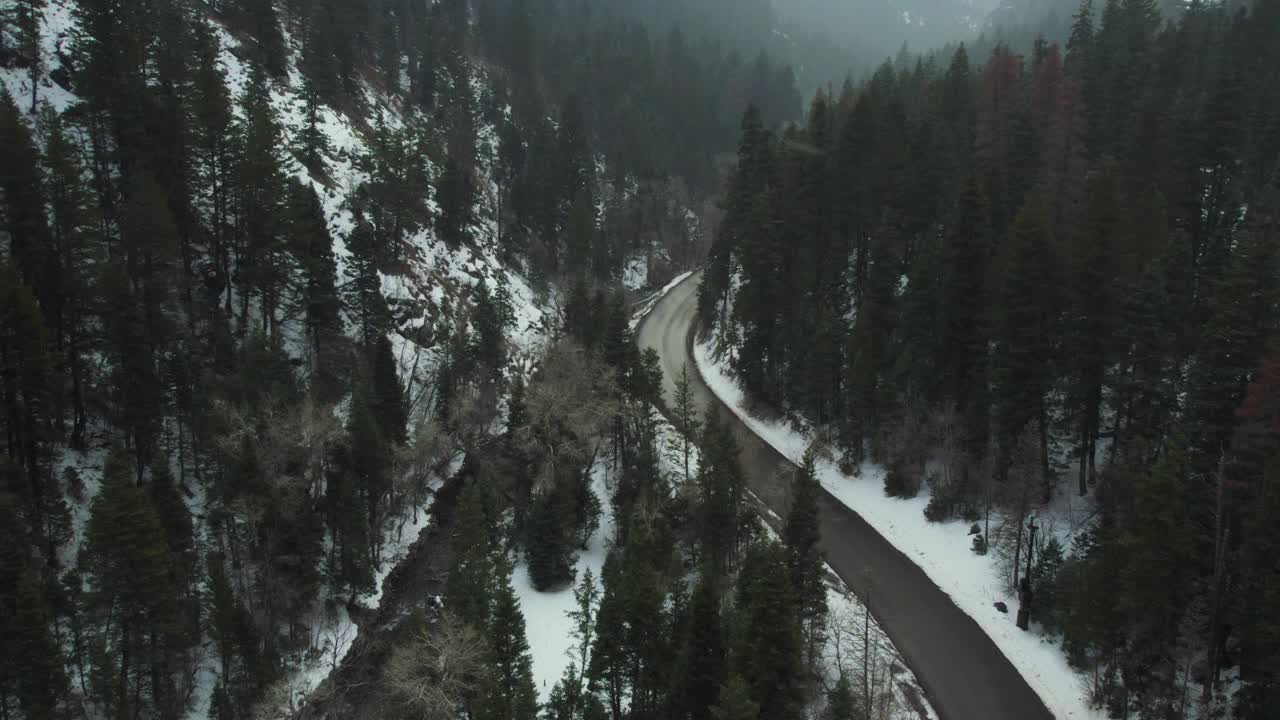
[
  {"x": 570, "y": 401},
  {"x": 472, "y": 412},
  {"x": 429, "y": 450},
  {"x": 438, "y": 666},
  {"x": 862, "y": 654},
  {"x": 1017, "y": 496}
]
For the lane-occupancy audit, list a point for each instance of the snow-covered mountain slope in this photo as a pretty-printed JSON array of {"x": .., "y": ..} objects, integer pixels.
[{"x": 433, "y": 281}]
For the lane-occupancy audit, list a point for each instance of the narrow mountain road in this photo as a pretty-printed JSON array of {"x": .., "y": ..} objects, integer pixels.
[{"x": 965, "y": 676}]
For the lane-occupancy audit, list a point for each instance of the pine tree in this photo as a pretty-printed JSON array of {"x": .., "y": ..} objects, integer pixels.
[
  {"x": 213, "y": 151},
  {"x": 311, "y": 144},
  {"x": 1089, "y": 317},
  {"x": 26, "y": 396},
  {"x": 470, "y": 591},
  {"x": 1149, "y": 320},
  {"x": 1020, "y": 361},
  {"x": 609, "y": 664},
  {"x": 840, "y": 701},
  {"x": 580, "y": 236},
  {"x": 492, "y": 316},
  {"x": 349, "y": 566},
  {"x": 549, "y": 539},
  {"x": 390, "y": 62},
  {"x": 27, "y": 17},
  {"x": 576, "y": 167},
  {"x": 586, "y": 607},
  {"x": 22, "y": 207},
  {"x": 130, "y": 571},
  {"x": 510, "y": 694},
  {"x": 79, "y": 251},
  {"x": 703, "y": 659},
  {"x": 138, "y": 303},
  {"x": 231, "y": 627},
  {"x": 371, "y": 450},
  {"x": 259, "y": 18},
  {"x": 386, "y": 391},
  {"x": 1162, "y": 554},
  {"x": 315, "y": 284},
  {"x": 32, "y": 675},
  {"x": 758, "y": 303},
  {"x": 41, "y": 682},
  {"x": 735, "y": 702},
  {"x": 1260, "y": 635},
  {"x": 1080, "y": 42},
  {"x": 770, "y": 650},
  {"x": 456, "y": 195},
  {"x": 1236, "y": 332},
  {"x": 631, "y": 655},
  {"x": 263, "y": 264},
  {"x": 868, "y": 356},
  {"x": 363, "y": 288},
  {"x": 720, "y": 487},
  {"x": 685, "y": 416},
  {"x": 1251, "y": 477},
  {"x": 804, "y": 559}
]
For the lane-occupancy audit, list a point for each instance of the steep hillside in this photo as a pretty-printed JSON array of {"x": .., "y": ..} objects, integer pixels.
[{"x": 430, "y": 290}]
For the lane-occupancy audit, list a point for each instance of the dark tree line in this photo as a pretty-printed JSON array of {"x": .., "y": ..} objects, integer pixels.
[{"x": 960, "y": 265}]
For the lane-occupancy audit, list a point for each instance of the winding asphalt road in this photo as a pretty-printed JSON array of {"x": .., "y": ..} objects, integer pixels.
[{"x": 963, "y": 673}]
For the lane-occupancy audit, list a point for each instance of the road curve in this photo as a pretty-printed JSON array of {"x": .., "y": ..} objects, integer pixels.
[{"x": 963, "y": 673}]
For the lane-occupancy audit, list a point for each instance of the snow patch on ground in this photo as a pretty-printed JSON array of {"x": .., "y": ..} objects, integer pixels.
[
  {"x": 55, "y": 31},
  {"x": 635, "y": 273},
  {"x": 942, "y": 550},
  {"x": 547, "y": 624}
]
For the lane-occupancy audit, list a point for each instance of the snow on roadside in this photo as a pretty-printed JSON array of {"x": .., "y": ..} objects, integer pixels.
[
  {"x": 887, "y": 673},
  {"x": 547, "y": 624},
  {"x": 643, "y": 307},
  {"x": 942, "y": 550},
  {"x": 843, "y": 648}
]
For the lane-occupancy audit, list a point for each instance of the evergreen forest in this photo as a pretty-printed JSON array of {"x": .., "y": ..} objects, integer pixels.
[{"x": 321, "y": 379}]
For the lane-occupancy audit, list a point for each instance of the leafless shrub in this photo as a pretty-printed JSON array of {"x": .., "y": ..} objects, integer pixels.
[
  {"x": 436, "y": 667},
  {"x": 429, "y": 449},
  {"x": 860, "y": 652},
  {"x": 1016, "y": 496},
  {"x": 570, "y": 400}
]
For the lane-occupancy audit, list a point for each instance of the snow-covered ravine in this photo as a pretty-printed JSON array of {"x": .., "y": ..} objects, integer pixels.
[
  {"x": 942, "y": 550},
  {"x": 333, "y": 631}
]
